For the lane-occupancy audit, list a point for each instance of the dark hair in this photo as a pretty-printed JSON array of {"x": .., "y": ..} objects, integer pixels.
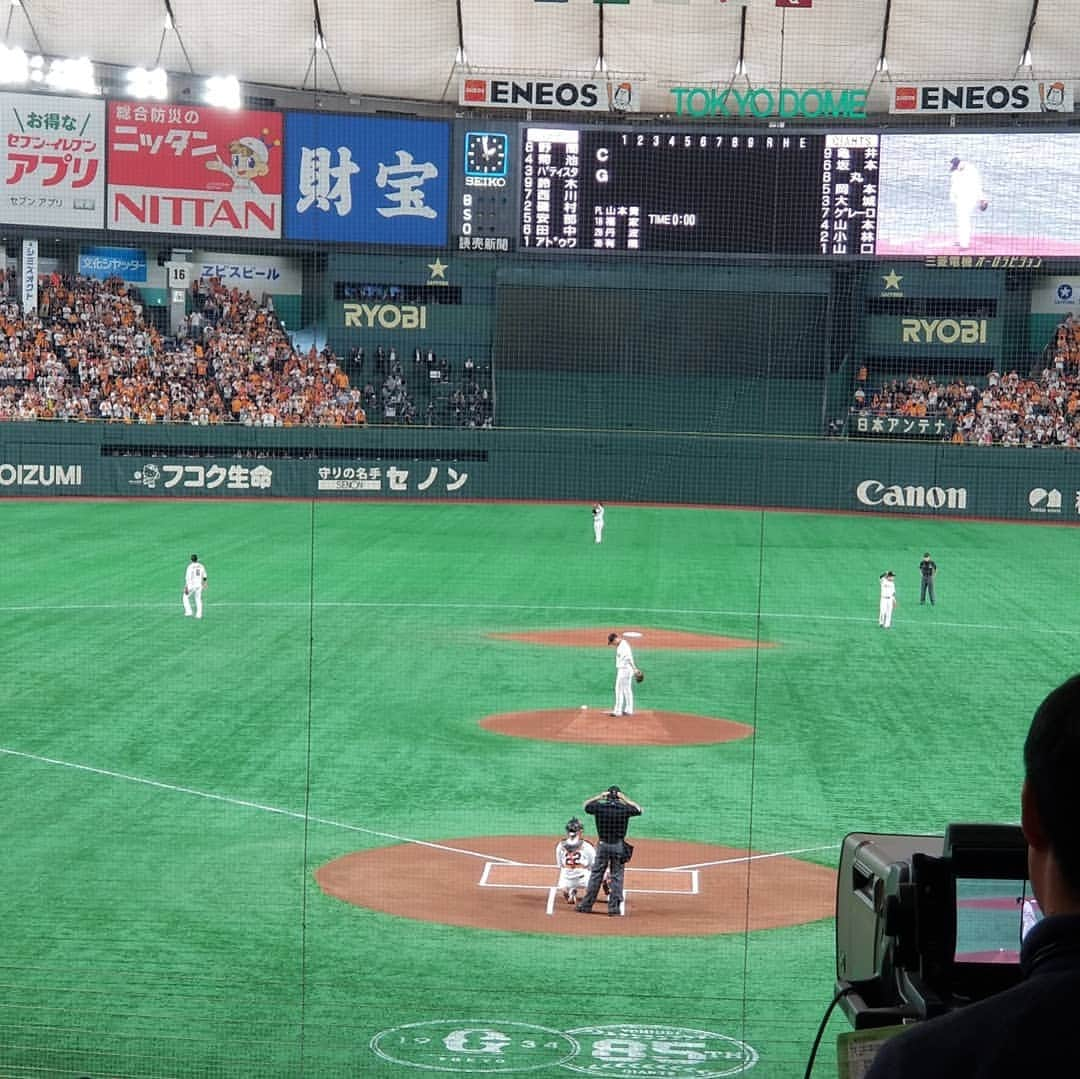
[
  {"x": 612, "y": 638},
  {"x": 194, "y": 558},
  {"x": 1051, "y": 763}
]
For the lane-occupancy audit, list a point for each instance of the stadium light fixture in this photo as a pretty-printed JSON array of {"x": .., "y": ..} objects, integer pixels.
[
  {"x": 143, "y": 84},
  {"x": 68, "y": 75},
  {"x": 223, "y": 92},
  {"x": 14, "y": 66}
]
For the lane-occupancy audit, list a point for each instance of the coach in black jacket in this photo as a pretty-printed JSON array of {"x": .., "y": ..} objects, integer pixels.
[
  {"x": 612, "y": 810},
  {"x": 1030, "y": 1029}
]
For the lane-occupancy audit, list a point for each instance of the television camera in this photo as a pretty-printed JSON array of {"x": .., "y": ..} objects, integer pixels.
[{"x": 925, "y": 924}]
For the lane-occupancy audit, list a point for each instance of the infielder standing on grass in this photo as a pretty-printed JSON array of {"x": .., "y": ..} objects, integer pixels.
[
  {"x": 194, "y": 583},
  {"x": 598, "y": 521},
  {"x": 625, "y": 670},
  {"x": 574, "y": 856},
  {"x": 888, "y": 599}
]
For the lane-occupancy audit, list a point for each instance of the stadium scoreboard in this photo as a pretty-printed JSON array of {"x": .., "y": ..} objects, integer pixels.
[{"x": 685, "y": 191}]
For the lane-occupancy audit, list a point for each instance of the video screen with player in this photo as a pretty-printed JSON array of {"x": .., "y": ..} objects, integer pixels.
[{"x": 981, "y": 194}]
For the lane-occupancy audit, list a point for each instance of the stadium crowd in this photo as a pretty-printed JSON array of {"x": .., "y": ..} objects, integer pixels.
[
  {"x": 89, "y": 353},
  {"x": 1041, "y": 408}
]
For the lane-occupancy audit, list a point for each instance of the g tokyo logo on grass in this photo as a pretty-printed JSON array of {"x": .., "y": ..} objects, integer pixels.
[
  {"x": 484, "y": 1046},
  {"x": 498, "y": 1046},
  {"x": 640, "y": 1051}
]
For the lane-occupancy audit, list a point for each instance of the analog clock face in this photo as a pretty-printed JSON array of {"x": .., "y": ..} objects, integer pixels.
[{"x": 485, "y": 154}]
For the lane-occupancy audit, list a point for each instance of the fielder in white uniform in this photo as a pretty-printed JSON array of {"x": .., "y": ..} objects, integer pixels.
[
  {"x": 625, "y": 669},
  {"x": 194, "y": 583},
  {"x": 598, "y": 522},
  {"x": 888, "y": 599},
  {"x": 574, "y": 856}
]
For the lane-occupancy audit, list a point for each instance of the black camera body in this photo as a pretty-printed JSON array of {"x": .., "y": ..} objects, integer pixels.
[{"x": 925, "y": 924}]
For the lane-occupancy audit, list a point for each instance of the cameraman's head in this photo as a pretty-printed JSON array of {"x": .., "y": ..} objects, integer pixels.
[{"x": 1051, "y": 800}]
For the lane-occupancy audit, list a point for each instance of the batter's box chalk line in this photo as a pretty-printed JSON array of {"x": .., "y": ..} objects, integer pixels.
[{"x": 528, "y": 876}]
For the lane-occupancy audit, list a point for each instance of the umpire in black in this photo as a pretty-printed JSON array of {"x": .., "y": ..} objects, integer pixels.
[{"x": 612, "y": 810}]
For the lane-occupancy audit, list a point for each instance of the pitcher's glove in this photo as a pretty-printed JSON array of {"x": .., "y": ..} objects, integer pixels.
[{"x": 639, "y": 676}]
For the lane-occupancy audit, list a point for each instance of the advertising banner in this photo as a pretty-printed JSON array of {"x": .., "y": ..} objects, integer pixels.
[
  {"x": 193, "y": 169},
  {"x": 363, "y": 179},
  {"x": 127, "y": 263},
  {"x": 1031, "y": 95},
  {"x": 29, "y": 277},
  {"x": 1055, "y": 295},
  {"x": 54, "y": 161},
  {"x": 567, "y": 95},
  {"x": 251, "y": 273}
]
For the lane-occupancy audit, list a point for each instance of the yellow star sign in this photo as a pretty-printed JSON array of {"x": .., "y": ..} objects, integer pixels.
[
  {"x": 892, "y": 280},
  {"x": 437, "y": 268}
]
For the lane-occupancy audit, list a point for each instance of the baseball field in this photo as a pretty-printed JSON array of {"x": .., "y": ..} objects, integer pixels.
[{"x": 311, "y": 833}]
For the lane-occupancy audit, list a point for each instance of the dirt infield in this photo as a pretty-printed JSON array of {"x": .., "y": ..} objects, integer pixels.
[
  {"x": 507, "y": 883},
  {"x": 593, "y": 726},
  {"x": 647, "y": 639}
]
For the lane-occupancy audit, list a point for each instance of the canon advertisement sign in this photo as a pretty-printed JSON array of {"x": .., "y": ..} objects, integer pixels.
[
  {"x": 878, "y": 495},
  {"x": 1033, "y": 95}
]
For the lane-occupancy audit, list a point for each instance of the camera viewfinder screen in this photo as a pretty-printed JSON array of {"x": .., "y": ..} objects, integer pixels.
[{"x": 992, "y": 917}]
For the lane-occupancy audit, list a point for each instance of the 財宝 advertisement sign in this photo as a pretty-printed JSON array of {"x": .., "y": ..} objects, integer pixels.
[{"x": 366, "y": 179}]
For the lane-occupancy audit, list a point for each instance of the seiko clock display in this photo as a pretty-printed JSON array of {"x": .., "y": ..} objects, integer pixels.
[{"x": 485, "y": 153}]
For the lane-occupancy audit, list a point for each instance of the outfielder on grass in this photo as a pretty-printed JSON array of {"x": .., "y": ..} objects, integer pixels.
[{"x": 194, "y": 583}]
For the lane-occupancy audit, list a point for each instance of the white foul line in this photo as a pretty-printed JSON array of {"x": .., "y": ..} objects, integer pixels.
[
  {"x": 292, "y": 814},
  {"x": 756, "y": 857}
]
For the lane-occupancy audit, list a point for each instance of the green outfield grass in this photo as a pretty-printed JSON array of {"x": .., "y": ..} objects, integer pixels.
[{"x": 169, "y": 786}]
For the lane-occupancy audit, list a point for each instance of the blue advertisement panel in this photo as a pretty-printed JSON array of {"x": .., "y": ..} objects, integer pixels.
[
  {"x": 363, "y": 179},
  {"x": 127, "y": 263}
]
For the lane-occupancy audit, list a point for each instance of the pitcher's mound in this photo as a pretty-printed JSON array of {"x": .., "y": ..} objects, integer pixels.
[{"x": 646, "y": 727}]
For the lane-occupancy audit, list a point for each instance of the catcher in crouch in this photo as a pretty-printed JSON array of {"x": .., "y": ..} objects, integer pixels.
[{"x": 574, "y": 856}]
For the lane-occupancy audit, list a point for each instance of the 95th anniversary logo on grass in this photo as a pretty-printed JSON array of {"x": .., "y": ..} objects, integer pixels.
[{"x": 631, "y": 1050}]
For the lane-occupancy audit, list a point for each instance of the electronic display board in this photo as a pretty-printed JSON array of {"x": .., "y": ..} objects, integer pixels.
[
  {"x": 692, "y": 191},
  {"x": 485, "y": 185},
  {"x": 980, "y": 193}
]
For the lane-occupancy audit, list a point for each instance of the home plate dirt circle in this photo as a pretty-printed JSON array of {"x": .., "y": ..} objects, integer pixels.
[
  {"x": 506, "y": 883},
  {"x": 646, "y": 727}
]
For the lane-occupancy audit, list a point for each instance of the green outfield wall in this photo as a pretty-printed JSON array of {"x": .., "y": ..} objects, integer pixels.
[{"x": 48, "y": 459}]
